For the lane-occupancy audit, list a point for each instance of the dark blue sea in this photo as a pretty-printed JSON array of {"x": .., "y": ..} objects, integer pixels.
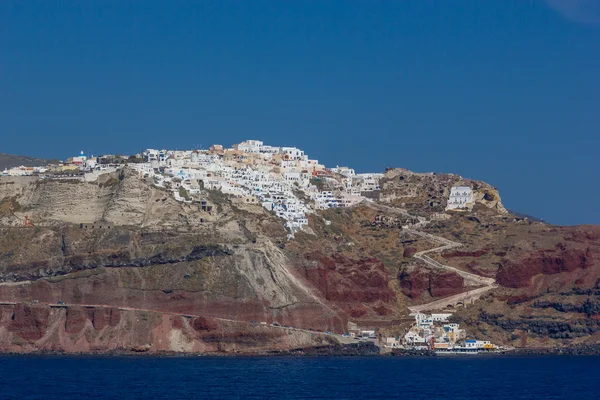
[{"x": 58, "y": 377}]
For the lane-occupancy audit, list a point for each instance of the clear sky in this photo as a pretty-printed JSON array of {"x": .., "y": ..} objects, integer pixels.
[{"x": 506, "y": 91}]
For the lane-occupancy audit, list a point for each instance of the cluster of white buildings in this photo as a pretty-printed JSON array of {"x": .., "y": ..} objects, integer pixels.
[
  {"x": 88, "y": 167},
  {"x": 23, "y": 171},
  {"x": 429, "y": 329},
  {"x": 283, "y": 180},
  {"x": 435, "y": 332}
]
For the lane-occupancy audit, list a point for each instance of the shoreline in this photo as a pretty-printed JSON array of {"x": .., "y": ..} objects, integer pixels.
[{"x": 348, "y": 350}]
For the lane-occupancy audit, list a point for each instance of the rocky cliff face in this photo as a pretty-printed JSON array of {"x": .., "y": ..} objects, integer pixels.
[
  {"x": 118, "y": 198},
  {"x": 138, "y": 271},
  {"x": 417, "y": 283},
  {"x": 76, "y": 329}
]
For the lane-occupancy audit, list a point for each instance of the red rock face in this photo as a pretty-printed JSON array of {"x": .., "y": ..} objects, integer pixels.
[
  {"x": 409, "y": 252},
  {"x": 445, "y": 284},
  {"x": 25, "y": 329},
  {"x": 104, "y": 290},
  {"x": 76, "y": 319},
  {"x": 102, "y": 317},
  {"x": 347, "y": 282},
  {"x": 584, "y": 233},
  {"x": 343, "y": 279},
  {"x": 204, "y": 324},
  {"x": 29, "y": 323},
  {"x": 177, "y": 322},
  {"x": 436, "y": 284},
  {"x": 415, "y": 283},
  {"x": 547, "y": 262}
]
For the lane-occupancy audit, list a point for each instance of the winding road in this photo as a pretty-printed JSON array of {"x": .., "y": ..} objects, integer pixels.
[
  {"x": 446, "y": 244},
  {"x": 472, "y": 279}
]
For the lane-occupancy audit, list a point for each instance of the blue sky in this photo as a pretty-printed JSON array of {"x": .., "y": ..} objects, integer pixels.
[{"x": 506, "y": 91}]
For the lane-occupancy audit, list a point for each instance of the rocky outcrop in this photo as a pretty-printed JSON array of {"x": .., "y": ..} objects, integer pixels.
[
  {"x": 120, "y": 198},
  {"x": 489, "y": 197},
  {"x": 120, "y": 257},
  {"x": 360, "y": 287},
  {"x": 545, "y": 327},
  {"x": 415, "y": 282},
  {"x": 425, "y": 193},
  {"x": 29, "y": 322},
  {"x": 589, "y": 307},
  {"x": 561, "y": 259}
]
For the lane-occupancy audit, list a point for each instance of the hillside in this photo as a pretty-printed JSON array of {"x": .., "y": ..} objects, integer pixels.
[
  {"x": 10, "y": 160},
  {"x": 138, "y": 270}
]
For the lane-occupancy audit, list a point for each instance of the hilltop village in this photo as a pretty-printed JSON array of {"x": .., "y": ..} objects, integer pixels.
[
  {"x": 286, "y": 182},
  {"x": 397, "y": 259},
  {"x": 283, "y": 180}
]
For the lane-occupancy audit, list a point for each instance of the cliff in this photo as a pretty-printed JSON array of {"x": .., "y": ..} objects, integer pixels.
[{"x": 139, "y": 271}]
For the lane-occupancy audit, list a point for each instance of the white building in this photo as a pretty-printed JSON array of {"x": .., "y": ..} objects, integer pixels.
[
  {"x": 423, "y": 320},
  {"x": 293, "y": 153},
  {"x": 369, "y": 182},
  {"x": 249, "y": 146},
  {"x": 79, "y": 160},
  {"x": 348, "y": 172},
  {"x": 441, "y": 317},
  {"x": 270, "y": 150},
  {"x": 461, "y": 197}
]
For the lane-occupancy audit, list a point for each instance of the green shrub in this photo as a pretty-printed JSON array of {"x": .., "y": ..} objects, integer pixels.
[{"x": 184, "y": 193}]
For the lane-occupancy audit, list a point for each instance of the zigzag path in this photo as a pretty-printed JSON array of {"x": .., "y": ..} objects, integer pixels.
[{"x": 473, "y": 279}]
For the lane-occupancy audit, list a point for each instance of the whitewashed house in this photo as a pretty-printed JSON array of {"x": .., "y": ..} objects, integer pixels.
[
  {"x": 348, "y": 172},
  {"x": 369, "y": 182},
  {"x": 461, "y": 197},
  {"x": 249, "y": 146},
  {"x": 293, "y": 153}
]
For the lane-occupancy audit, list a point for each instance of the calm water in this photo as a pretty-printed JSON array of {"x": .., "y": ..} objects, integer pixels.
[{"x": 146, "y": 378}]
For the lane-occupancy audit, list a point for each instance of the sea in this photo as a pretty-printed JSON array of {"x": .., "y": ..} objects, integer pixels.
[{"x": 466, "y": 377}]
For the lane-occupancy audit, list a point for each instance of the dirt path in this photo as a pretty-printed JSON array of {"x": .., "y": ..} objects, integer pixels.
[
  {"x": 473, "y": 279},
  {"x": 446, "y": 245}
]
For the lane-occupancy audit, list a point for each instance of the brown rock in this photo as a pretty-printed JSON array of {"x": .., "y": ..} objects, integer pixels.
[
  {"x": 409, "y": 252},
  {"x": 445, "y": 284},
  {"x": 548, "y": 262},
  {"x": 436, "y": 284},
  {"x": 75, "y": 320},
  {"x": 204, "y": 324},
  {"x": 29, "y": 322}
]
